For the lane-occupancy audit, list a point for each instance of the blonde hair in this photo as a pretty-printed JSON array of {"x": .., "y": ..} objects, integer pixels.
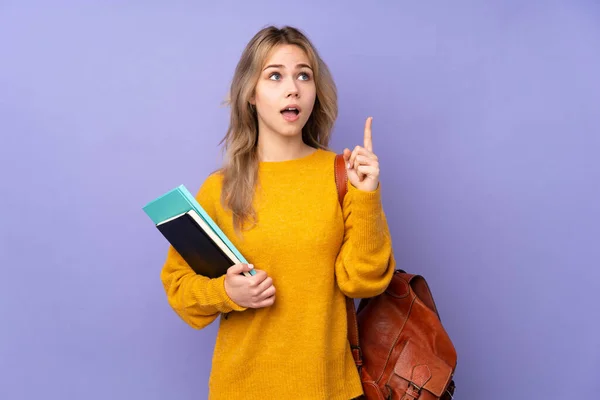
[{"x": 240, "y": 170}]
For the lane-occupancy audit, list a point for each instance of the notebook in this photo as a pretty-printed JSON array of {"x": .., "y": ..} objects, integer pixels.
[{"x": 193, "y": 233}]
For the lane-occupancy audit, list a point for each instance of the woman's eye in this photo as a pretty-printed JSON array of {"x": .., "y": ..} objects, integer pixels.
[
  {"x": 304, "y": 76},
  {"x": 275, "y": 76}
]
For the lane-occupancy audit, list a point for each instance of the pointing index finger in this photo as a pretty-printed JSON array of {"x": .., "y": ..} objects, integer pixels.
[{"x": 368, "y": 137}]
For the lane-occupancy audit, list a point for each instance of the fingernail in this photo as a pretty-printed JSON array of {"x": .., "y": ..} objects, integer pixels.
[
  {"x": 348, "y": 165},
  {"x": 250, "y": 266}
]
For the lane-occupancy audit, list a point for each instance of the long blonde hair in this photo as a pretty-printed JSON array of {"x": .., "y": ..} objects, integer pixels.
[{"x": 240, "y": 170}]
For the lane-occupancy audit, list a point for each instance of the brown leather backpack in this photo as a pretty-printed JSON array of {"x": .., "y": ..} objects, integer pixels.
[{"x": 399, "y": 345}]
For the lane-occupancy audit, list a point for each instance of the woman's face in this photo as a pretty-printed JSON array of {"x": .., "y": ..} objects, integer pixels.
[{"x": 285, "y": 93}]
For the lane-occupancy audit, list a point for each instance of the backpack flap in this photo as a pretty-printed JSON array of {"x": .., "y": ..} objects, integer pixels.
[{"x": 423, "y": 369}]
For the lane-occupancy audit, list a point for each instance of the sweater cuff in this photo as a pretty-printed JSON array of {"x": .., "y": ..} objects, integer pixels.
[
  {"x": 225, "y": 304},
  {"x": 365, "y": 200}
]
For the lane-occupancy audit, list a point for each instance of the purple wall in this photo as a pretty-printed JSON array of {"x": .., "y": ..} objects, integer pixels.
[{"x": 486, "y": 122}]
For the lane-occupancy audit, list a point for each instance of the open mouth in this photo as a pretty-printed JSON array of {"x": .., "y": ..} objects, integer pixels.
[
  {"x": 290, "y": 114},
  {"x": 290, "y": 111}
]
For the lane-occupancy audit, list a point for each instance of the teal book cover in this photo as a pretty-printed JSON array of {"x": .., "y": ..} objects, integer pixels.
[{"x": 178, "y": 201}]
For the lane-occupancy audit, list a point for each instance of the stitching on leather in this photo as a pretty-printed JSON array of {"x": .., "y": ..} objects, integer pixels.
[{"x": 387, "y": 361}]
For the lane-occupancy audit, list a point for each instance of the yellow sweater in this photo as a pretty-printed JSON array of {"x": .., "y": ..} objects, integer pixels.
[{"x": 315, "y": 253}]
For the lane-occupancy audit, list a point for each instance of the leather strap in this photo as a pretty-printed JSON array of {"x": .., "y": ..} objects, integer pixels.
[
  {"x": 341, "y": 181},
  {"x": 422, "y": 291},
  {"x": 341, "y": 178}
]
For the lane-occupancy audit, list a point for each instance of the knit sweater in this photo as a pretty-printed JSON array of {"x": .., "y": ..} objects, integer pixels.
[{"x": 316, "y": 252}]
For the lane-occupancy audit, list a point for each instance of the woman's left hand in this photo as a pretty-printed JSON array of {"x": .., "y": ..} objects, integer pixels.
[{"x": 362, "y": 164}]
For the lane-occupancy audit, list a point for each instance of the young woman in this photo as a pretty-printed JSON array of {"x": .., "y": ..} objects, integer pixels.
[{"x": 283, "y": 331}]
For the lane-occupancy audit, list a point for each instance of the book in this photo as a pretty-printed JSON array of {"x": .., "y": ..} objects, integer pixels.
[
  {"x": 197, "y": 244},
  {"x": 178, "y": 201},
  {"x": 193, "y": 233}
]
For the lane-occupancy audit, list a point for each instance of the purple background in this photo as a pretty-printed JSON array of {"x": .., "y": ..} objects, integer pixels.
[{"x": 485, "y": 119}]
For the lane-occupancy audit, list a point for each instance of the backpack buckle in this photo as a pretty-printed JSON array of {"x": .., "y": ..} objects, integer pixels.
[
  {"x": 412, "y": 392},
  {"x": 358, "y": 350},
  {"x": 357, "y": 355}
]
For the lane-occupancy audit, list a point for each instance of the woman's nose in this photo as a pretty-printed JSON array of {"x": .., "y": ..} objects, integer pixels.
[{"x": 291, "y": 88}]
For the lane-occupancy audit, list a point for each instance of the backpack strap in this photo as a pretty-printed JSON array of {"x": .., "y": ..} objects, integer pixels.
[
  {"x": 341, "y": 178},
  {"x": 421, "y": 288},
  {"x": 341, "y": 181}
]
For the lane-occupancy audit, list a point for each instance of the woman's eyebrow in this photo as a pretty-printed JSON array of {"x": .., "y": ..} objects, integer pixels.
[{"x": 301, "y": 65}]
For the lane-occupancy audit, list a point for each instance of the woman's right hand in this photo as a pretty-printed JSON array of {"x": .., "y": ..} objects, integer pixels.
[{"x": 256, "y": 291}]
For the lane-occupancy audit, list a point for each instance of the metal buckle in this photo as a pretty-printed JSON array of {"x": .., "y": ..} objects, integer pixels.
[{"x": 359, "y": 350}]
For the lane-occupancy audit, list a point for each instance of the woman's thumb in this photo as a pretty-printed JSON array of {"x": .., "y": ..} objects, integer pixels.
[{"x": 239, "y": 268}]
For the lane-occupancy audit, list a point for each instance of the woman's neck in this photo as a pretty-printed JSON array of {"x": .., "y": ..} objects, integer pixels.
[{"x": 282, "y": 148}]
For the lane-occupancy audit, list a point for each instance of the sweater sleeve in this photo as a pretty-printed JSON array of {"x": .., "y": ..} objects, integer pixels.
[
  {"x": 366, "y": 263},
  {"x": 198, "y": 300}
]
